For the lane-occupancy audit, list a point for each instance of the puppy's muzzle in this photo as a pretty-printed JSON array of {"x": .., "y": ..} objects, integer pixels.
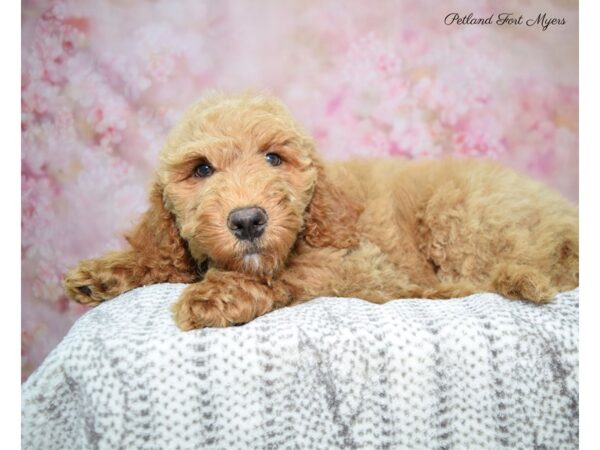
[{"x": 247, "y": 223}]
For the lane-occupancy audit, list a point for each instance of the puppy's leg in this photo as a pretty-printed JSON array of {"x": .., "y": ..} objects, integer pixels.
[
  {"x": 226, "y": 298},
  {"x": 157, "y": 254},
  {"x": 522, "y": 282},
  {"x": 500, "y": 232},
  {"x": 96, "y": 280}
]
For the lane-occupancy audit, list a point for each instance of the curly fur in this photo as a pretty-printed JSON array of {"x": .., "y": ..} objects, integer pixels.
[{"x": 377, "y": 229}]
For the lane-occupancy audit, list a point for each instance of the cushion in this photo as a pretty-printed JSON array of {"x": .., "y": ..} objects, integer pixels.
[{"x": 333, "y": 373}]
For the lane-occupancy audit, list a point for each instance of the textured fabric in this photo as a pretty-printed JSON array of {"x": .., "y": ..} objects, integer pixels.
[{"x": 480, "y": 372}]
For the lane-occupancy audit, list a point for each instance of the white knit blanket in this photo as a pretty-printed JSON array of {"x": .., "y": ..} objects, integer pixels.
[{"x": 480, "y": 372}]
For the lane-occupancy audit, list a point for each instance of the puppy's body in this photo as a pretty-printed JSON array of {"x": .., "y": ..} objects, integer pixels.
[
  {"x": 440, "y": 228},
  {"x": 241, "y": 192}
]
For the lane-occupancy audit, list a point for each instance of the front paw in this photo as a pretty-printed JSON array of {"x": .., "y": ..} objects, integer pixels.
[
  {"x": 200, "y": 305},
  {"x": 87, "y": 285},
  {"x": 220, "y": 300}
]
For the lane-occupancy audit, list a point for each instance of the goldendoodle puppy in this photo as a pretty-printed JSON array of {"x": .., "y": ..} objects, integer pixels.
[{"x": 245, "y": 211}]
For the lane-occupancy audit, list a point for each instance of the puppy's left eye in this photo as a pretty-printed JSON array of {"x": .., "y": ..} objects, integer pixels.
[
  {"x": 273, "y": 158},
  {"x": 203, "y": 170}
]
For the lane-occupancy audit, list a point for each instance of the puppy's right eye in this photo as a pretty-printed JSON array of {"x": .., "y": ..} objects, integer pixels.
[{"x": 203, "y": 170}]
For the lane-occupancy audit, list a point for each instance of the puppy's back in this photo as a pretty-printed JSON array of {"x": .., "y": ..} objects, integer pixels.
[{"x": 416, "y": 181}]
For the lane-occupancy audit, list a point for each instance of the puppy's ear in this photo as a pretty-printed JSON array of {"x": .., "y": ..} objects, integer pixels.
[
  {"x": 157, "y": 241},
  {"x": 331, "y": 215}
]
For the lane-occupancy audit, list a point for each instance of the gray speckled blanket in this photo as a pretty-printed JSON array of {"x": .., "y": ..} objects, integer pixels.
[{"x": 480, "y": 372}]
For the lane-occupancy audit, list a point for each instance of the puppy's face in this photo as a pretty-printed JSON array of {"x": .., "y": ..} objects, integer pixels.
[{"x": 238, "y": 174}]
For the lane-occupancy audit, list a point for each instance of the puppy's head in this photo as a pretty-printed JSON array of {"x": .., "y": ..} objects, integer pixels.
[{"x": 244, "y": 182}]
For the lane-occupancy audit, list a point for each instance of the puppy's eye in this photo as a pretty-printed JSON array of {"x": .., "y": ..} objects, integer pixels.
[
  {"x": 203, "y": 170},
  {"x": 273, "y": 158}
]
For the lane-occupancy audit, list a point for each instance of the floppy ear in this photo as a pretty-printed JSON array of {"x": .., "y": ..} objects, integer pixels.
[
  {"x": 331, "y": 215},
  {"x": 157, "y": 242}
]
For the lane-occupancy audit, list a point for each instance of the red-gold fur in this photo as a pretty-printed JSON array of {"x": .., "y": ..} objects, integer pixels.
[{"x": 377, "y": 230}]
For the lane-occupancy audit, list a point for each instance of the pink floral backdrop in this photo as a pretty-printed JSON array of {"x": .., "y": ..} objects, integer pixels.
[{"x": 103, "y": 81}]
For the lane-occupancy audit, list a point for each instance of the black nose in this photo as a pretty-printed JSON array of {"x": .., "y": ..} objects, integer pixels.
[{"x": 247, "y": 223}]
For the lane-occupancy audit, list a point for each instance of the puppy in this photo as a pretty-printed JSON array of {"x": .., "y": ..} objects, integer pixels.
[{"x": 244, "y": 210}]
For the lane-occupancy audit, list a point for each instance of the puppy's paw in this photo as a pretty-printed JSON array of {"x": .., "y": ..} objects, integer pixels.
[
  {"x": 523, "y": 282},
  {"x": 200, "y": 305},
  {"x": 220, "y": 300},
  {"x": 86, "y": 284}
]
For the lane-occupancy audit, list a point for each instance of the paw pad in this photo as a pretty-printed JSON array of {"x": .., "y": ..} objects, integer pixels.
[{"x": 85, "y": 290}]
